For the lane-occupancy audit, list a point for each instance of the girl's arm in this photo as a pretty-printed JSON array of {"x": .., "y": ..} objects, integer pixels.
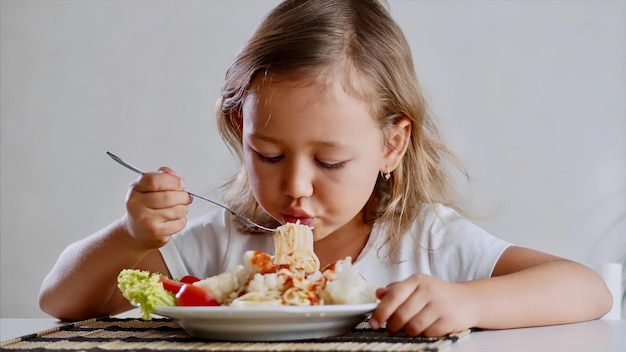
[
  {"x": 83, "y": 281},
  {"x": 527, "y": 288},
  {"x": 531, "y": 288}
]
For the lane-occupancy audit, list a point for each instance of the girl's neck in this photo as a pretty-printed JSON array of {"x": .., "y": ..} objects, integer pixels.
[{"x": 347, "y": 241}]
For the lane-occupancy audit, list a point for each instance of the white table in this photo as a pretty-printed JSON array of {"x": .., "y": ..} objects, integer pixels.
[{"x": 593, "y": 336}]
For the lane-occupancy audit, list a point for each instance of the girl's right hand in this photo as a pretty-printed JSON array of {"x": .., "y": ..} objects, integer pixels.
[{"x": 156, "y": 207}]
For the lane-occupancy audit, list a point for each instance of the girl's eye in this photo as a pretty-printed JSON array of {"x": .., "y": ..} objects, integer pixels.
[
  {"x": 268, "y": 159},
  {"x": 276, "y": 159},
  {"x": 334, "y": 166}
]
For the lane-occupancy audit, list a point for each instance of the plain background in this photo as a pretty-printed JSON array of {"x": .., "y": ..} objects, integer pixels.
[{"x": 531, "y": 95}]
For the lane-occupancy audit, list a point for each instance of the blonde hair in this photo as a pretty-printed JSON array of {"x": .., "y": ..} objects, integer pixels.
[{"x": 301, "y": 38}]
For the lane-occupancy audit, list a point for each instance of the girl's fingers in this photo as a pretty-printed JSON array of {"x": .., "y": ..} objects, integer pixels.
[
  {"x": 166, "y": 170},
  {"x": 381, "y": 291},
  {"x": 392, "y": 297},
  {"x": 153, "y": 219},
  {"x": 166, "y": 199},
  {"x": 159, "y": 181},
  {"x": 413, "y": 306},
  {"x": 421, "y": 322},
  {"x": 166, "y": 205},
  {"x": 157, "y": 207},
  {"x": 407, "y": 310},
  {"x": 173, "y": 213},
  {"x": 171, "y": 227},
  {"x": 154, "y": 227}
]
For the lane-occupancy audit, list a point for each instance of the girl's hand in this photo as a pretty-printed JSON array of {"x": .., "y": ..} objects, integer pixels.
[
  {"x": 424, "y": 305},
  {"x": 156, "y": 207}
]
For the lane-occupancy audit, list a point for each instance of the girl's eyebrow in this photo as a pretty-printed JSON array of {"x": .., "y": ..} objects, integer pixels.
[{"x": 322, "y": 144}]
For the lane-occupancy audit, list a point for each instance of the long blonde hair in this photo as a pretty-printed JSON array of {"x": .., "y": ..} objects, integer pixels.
[{"x": 303, "y": 38}]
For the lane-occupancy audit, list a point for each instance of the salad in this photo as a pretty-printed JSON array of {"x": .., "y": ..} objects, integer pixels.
[{"x": 149, "y": 290}]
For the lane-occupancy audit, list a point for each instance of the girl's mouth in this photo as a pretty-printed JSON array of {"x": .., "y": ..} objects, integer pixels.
[{"x": 304, "y": 220}]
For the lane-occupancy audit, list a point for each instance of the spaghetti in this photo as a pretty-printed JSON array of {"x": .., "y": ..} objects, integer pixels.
[
  {"x": 291, "y": 277},
  {"x": 293, "y": 244}
]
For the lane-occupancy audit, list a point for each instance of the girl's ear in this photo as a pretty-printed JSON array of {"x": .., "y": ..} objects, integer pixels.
[{"x": 397, "y": 143}]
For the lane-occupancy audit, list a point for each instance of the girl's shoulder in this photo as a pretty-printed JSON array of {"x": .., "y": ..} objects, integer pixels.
[
  {"x": 432, "y": 217},
  {"x": 440, "y": 242},
  {"x": 438, "y": 228},
  {"x": 441, "y": 224},
  {"x": 438, "y": 216}
]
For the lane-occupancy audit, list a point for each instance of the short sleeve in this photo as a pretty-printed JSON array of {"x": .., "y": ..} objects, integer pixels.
[
  {"x": 440, "y": 243},
  {"x": 458, "y": 250}
]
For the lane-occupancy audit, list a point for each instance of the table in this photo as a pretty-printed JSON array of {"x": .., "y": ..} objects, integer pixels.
[{"x": 593, "y": 336}]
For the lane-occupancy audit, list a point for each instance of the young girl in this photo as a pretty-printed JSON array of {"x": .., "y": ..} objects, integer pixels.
[{"x": 324, "y": 111}]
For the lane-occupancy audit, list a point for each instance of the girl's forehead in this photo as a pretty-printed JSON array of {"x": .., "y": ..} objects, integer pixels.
[
  {"x": 268, "y": 90},
  {"x": 308, "y": 91},
  {"x": 325, "y": 111}
]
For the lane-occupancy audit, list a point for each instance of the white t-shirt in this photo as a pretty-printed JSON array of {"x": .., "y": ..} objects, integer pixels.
[{"x": 442, "y": 244}]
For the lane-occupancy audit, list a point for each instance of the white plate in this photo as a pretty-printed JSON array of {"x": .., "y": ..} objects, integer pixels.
[{"x": 270, "y": 323}]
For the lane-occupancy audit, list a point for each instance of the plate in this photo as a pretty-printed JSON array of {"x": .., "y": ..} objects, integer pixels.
[{"x": 269, "y": 323}]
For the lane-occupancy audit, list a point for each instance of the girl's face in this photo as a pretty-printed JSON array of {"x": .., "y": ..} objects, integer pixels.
[{"x": 312, "y": 152}]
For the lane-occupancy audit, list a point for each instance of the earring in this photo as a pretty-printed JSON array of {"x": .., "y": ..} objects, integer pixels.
[{"x": 386, "y": 176}]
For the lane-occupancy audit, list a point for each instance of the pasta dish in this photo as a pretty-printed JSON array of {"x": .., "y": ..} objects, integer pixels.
[{"x": 291, "y": 277}]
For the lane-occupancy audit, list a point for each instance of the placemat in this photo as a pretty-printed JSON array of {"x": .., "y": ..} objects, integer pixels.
[{"x": 130, "y": 334}]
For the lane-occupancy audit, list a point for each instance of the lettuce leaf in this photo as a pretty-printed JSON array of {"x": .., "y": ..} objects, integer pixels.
[{"x": 145, "y": 289}]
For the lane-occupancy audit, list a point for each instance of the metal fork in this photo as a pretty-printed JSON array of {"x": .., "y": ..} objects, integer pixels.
[{"x": 239, "y": 216}]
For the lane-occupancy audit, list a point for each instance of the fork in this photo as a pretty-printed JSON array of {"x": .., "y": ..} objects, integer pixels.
[{"x": 239, "y": 216}]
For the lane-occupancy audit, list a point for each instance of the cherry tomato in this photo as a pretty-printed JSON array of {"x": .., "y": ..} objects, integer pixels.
[
  {"x": 170, "y": 285},
  {"x": 192, "y": 295},
  {"x": 188, "y": 279}
]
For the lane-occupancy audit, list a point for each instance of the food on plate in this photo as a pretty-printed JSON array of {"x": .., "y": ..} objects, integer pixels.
[
  {"x": 260, "y": 282},
  {"x": 192, "y": 295},
  {"x": 293, "y": 245},
  {"x": 292, "y": 277},
  {"x": 145, "y": 289}
]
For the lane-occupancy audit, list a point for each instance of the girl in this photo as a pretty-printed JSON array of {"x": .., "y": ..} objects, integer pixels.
[{"x": 324, "y": 111}]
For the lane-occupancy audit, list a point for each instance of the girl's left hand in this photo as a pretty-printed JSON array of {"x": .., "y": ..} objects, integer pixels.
[{"x": 424, "y": 305}]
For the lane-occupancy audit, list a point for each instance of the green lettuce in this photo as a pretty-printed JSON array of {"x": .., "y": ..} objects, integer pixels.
[{"x": 145, "y": 289}]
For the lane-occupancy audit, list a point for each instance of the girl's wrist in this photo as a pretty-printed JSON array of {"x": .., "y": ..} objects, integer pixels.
[
  {"x": 124, "y": 234},
  {"x": 476, "y": 305}
]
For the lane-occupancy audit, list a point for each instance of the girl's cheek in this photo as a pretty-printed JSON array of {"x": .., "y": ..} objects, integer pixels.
[
  {"x": 264, "y": 175},
  {"x": 265, "y": 183}
]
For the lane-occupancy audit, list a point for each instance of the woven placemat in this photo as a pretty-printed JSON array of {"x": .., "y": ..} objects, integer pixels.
[{"x": 130, "y": 334}]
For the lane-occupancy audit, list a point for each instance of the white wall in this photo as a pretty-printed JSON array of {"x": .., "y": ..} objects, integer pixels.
[{"x": 530, "y": 94}]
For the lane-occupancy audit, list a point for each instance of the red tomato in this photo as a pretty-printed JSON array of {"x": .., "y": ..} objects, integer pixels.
[
  {"x": 188, "y": 279},
  {"x": 170, "y": 285},
  {"x": 192, "y": 295}
]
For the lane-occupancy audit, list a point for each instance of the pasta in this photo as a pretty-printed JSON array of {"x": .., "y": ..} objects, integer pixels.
[
  {"x": 293, "y": 244},
  {"x": 291, "y": 277}
]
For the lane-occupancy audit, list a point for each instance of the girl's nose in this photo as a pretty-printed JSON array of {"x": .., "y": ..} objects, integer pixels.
[{"x": 298, "y": 180}]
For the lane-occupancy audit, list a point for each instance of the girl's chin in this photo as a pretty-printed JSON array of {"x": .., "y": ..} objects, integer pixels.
[{"x": 320, "y": 233}]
